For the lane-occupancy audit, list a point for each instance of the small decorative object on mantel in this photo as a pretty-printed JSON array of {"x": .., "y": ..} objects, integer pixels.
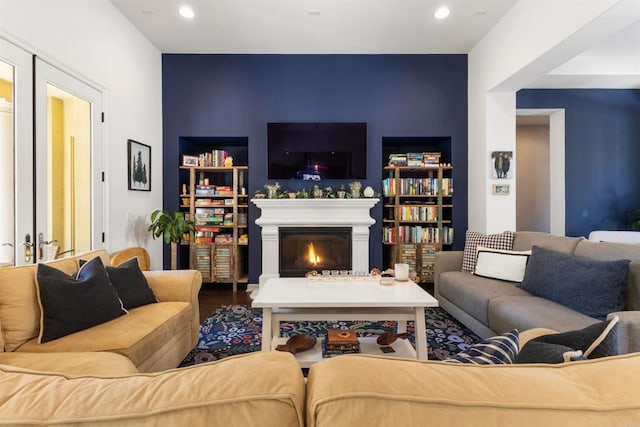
[
  {"x": 368, "y": 192},
  {"x": 355, "y": 187},
  {"x": 342, "y": 192},
  {"x": 317, "y": 192},
  {"x": 272, "y": 190}
]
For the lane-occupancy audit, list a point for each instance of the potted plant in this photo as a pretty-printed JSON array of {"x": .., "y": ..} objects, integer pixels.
[
  {"x": 172, "y": 228},
  {"x": 634, "y": 219}
]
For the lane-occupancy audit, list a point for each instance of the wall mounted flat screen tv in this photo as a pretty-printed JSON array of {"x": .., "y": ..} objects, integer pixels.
[{"x": 316, "y": 151}]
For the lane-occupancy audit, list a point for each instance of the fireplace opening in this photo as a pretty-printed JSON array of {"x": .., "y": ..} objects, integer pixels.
[{"x": 303, "y": 249}]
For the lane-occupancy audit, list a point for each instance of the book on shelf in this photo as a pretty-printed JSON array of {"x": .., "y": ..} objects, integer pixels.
[{"x": 215, "y": 158}]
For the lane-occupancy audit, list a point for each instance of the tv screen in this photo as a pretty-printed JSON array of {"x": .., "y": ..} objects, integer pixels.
[{"x": 315, "y": 151}]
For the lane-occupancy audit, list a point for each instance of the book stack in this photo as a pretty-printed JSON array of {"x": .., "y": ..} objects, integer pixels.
[
  {"x": 397, "y": 159},
  {"x": 431, "y": 159},
  {"x": 223, "y": 262},
  {"x": 340, "y": 341},
  {"x": 415, "y": 160}
]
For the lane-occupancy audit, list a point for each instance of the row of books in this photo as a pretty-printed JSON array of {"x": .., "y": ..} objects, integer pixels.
[
  {"x": 417, "y": 213},
  {"x": 223, "y": 255},
  {"x": 417, "y": 234},
  {"x": 416, "y": 186},
  {"x": 414, "y": 160},
  {"x": 213, "y": 190},
  {"x": 215, "y": 158}
]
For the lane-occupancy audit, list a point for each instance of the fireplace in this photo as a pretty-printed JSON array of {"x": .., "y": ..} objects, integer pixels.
[
  {"x": 303, "y": 249},
  {"x": 315, "y": 216}
]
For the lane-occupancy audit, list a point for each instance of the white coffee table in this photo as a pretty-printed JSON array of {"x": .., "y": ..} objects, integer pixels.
[{"x": 302, "y": 299}]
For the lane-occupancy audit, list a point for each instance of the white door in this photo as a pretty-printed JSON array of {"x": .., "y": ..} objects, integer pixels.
[
  {"x": 16, "y": 156},
  {"x": 68, "y": 161}
]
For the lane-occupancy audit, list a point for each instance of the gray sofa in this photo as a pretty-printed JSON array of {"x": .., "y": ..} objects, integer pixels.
[{"x": 490, "y": 307}]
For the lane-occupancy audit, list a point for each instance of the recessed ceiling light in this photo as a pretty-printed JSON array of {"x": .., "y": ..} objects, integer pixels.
[
  {"x": 314, "y": 12},
  {"x": 442, "y": 12},
  {"x": 186, "y": 12}
]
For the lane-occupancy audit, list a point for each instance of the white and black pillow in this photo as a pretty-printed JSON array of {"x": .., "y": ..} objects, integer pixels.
[
  {"x": 473, "y": 239},
  {"x": 501, "y": 264},
  {"x": 501, "y": 349},
  {"x": 70, "y": 304}
]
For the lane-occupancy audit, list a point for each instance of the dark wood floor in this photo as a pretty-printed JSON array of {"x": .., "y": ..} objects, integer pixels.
[{"x": 213, "y": 296}]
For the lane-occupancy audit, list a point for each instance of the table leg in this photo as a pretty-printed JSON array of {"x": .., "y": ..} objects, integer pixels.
[
  {"x": 266, "y": 329},
  {"x": 421, "y": 334},
  {"x": 402, "y": 326}
]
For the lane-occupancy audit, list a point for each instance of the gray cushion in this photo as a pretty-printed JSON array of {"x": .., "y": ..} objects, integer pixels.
[
  {"x": 528, "y": 312},
  {"x": 592, "y": 287},
  {"x": 472, "y": 293},
  {"x": 525, "y": 240}
]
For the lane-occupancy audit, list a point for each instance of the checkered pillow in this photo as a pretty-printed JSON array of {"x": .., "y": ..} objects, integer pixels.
[{"x": 473, "y": 239}]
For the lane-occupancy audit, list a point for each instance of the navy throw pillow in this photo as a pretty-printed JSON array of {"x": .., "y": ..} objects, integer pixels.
[
  {"x": 131, "y": 285},
  {"x": 72, "y": 303},
  {"x": 589, "y": 286}
]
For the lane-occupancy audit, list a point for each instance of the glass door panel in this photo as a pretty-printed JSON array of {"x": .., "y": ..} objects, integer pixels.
[
  {"x": 68, "y": 158},
  {"x": 16, "y": 155}
]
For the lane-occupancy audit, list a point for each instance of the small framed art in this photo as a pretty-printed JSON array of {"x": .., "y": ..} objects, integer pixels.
[
  {"x": 139, "y": 157},
  {"x": 500, "y": 189},
  {"x": 190, "y": 161}
]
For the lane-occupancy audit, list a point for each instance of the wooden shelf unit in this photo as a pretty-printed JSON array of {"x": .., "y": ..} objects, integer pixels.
[
  {"x": 220, "y": 212},
  {"x": 417, "y": 216}
]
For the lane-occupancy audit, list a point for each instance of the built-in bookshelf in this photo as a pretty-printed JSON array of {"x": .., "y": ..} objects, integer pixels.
[
  {"x": 417, "y": 212},
  {"x": 216, "y": 200}
]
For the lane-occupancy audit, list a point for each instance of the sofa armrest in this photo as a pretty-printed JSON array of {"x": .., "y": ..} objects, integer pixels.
[
  {"x": 178, "y": 285},
  {"x": 628, "y": 331},
  {"x": 447, "y": 261}
]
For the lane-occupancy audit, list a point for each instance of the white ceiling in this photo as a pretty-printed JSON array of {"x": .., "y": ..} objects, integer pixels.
[{"x": 363, "y": 27}]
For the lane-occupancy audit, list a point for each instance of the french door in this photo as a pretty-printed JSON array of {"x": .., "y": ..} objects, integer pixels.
[
  {"x": 68, "y": 159},
  {"x": 16, "y": 156},
  {"x": 51, "y": 189}
]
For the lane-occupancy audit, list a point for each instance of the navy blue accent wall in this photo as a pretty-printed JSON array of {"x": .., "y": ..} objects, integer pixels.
[
  {"x": 237, "y": 95},
  {"x": 602, "y": 148}
]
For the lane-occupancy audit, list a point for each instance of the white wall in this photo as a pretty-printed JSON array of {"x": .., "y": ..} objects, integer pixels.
[
  {"x": 533, "y": 38},
  {"x": 93, "y": 41}
]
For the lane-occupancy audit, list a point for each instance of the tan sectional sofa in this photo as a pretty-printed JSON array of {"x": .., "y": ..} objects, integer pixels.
[
  {"x": 153, "y": 337},
  {"x": 268, "y": 389},
  {"x": 491, "y": 307}
]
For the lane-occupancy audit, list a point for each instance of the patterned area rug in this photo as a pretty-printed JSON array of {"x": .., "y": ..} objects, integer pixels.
[{"x": 236, "y": 329}]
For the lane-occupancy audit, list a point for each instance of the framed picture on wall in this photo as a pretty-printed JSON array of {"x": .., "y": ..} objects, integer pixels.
[
  {"x": 500, "y": 189},
  {"x": 501, "y": 164},
  {"x": 139, "y": 157}
]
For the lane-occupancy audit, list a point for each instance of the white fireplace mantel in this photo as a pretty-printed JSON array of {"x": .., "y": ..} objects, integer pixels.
[{"x": 276, "y": 213}]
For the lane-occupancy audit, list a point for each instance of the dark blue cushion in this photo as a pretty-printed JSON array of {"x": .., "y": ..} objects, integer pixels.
[{"x": 589, "y": 286}]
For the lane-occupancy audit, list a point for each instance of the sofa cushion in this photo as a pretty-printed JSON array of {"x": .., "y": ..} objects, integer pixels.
[
  {"x": 473, "y": 239},
  {"x": 592, "y": 287},
  {"x": 501, "y": 264},
  {"x": 612, "y": 251},
  {"x": 266, "y": 389},
  {"x": 472, "y": 293},
  {"x": 19, "y": 308},
  {"x": 71, "y": 363},
  {"x": 496, "y": 350},
  {"x": 131, "y": 285},
  {"x": 592, "y": 342},
  {"x": 525, "y": 240},
  {"x": 342, "y": 392},
  {"x": 525, "y": 312},
  {"x": 136, "y": 335},
  {"x": 73, "y": 303}
]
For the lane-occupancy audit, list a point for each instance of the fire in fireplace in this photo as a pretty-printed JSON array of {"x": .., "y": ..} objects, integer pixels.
[{"x": 314, "y": 248}]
